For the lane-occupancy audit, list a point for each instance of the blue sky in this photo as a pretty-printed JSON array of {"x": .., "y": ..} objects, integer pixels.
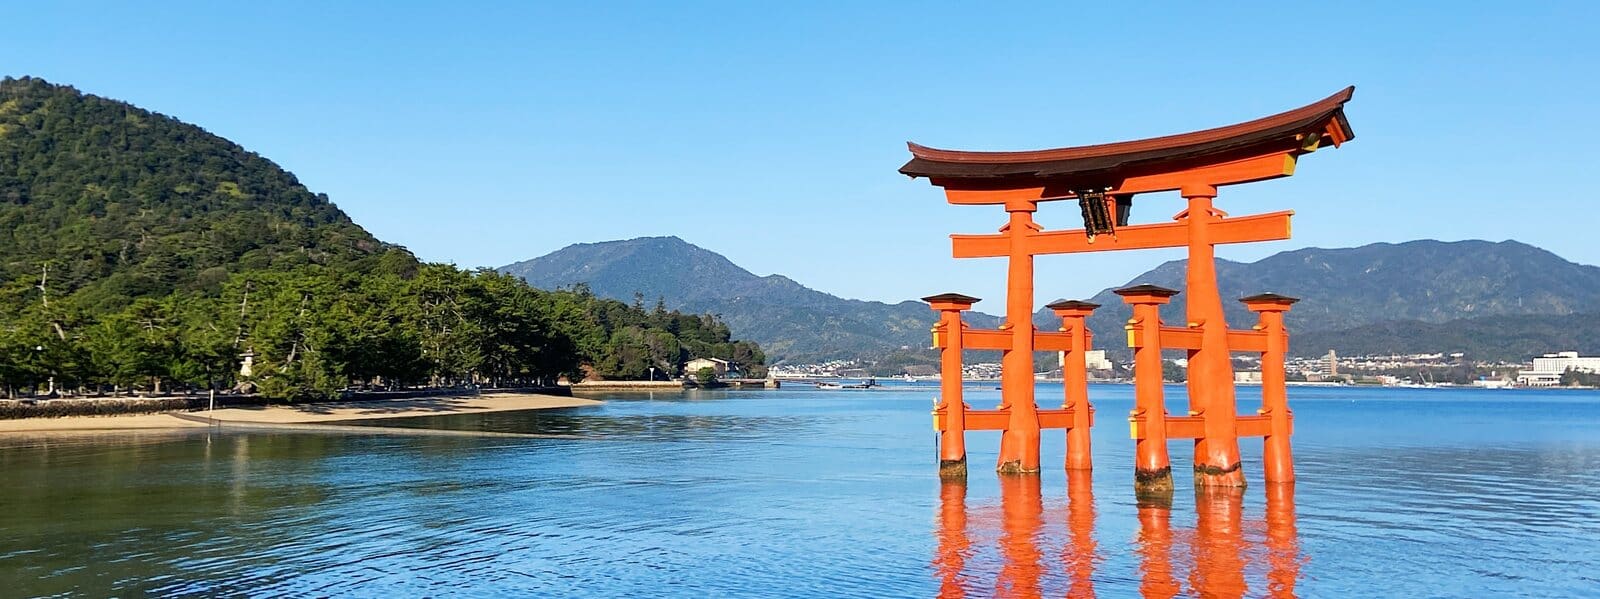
[{"x": 483, "y": 134}]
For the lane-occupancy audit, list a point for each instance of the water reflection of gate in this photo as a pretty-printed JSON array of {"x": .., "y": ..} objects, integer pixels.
[{"x": 1210, "y": 560}]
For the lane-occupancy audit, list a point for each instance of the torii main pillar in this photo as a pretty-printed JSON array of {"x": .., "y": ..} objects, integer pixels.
[
  {"x": 1210, "y": 381},
  {"x": 1019, "y": 444}
]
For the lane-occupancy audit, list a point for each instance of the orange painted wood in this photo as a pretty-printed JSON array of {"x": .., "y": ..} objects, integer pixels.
[
  {"x": 1272, "y": 226},
  {"x": 995, "y": 339},
  {"x": 1247, "y": 341},
  {"x": 1186, "y": 338},
  {"x": 1046, "y": 341},
  {"x": 1260, "y": 168},
  {"x": 1257, "y": 168},
  {"x": 1194, "y": 427},
  {"x": 986, "y": 339},
  {"x": 996, "y": 420}
]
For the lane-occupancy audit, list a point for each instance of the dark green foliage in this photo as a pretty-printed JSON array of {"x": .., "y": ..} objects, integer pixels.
[
  {"x": 1580, "y": 378},
  {"x": 705, "y": 375},
  {"x": 629, "y": 340},
  {"x": 138, "y": 252},
  {"x": 105, "y": 406},
  {"x": 1172, "y": 372},
  {"x": 124, "y": 203}
]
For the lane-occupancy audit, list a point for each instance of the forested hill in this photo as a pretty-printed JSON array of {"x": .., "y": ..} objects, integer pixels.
[
  {"x": 135, "y": 203},
  {"x": 140, "y": 252}
]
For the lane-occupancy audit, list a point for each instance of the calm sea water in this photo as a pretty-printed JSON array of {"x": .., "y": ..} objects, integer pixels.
[{"x": 807, "y": 493}]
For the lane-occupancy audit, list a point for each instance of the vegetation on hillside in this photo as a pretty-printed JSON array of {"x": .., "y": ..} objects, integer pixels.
[
  {"x": 139, "y": 252},
  {"x": 1513, "y": 338},
  {"x": 315, "y": 331}
]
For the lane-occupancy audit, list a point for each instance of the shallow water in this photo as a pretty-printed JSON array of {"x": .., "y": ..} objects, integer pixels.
[{"x": 800, "y": 492}]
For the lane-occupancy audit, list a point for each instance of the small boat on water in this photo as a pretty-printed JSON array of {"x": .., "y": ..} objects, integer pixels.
[{"x": 867, "y": 384}]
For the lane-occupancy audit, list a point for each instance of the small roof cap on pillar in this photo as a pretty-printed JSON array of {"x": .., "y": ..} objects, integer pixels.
[
  {"x": 950, "y": 301},
  {"x": 1263, "y": 298},
  {"x": 1260, "y": 301},
  {"x": 952, "y": 297},
  {"x": 1146, "y": 289},
  {"x": 1072, "y": 305}
]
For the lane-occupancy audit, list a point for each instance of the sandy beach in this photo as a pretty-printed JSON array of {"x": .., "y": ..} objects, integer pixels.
[{"x": 311, "y": 413}]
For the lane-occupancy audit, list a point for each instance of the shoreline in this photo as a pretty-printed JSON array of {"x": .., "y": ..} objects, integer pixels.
[{"x": 300, "y": 414}]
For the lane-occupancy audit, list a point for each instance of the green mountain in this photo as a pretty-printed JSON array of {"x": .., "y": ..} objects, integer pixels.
[
  {"x": 141, "y": 252},
  {"x": 791, "y": 321},
  {"x": 133, "y": 203},
  {"x": 1425, "y": 282}
]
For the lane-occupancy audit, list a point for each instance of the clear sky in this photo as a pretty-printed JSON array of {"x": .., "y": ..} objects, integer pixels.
[{"x": 483, "y": 134}]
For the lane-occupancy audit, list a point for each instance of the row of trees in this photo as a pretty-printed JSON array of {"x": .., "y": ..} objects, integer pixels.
[
  {"x": 314, "y": 331},
  {"x": 1574, "y": 377}
]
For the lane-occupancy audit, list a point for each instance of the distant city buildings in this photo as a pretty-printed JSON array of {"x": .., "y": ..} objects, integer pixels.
[
  {"x": 1407, "y": 370},
  {"x": 1547, "y": 369},
  {"x": 1095, "y": 359}
]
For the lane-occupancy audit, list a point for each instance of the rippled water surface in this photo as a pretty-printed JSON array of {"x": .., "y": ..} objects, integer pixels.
[{"x": 806, "y": 493}]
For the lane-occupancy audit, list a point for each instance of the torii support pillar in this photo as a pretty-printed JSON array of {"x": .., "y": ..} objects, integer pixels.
[
  {"x": 1152, "y": 468},
  {"x": 1019, "y": 444},
  {"x": 1276, "y": 457},
  {"x": 1211, "y": 393},
  {"x": 948, "y": 337},
  {"x": 1075, "y": 380}
]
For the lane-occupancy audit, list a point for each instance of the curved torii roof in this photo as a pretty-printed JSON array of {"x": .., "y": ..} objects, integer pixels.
[{"x": 1297, "y": 131}]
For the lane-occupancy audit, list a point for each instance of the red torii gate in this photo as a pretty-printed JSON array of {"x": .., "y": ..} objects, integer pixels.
[{"x": 1104, "y": 179}]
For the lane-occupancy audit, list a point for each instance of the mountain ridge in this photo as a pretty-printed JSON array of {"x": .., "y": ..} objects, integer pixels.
[
  {"x": 789, "y": 320},
  {"x": 1426, "y": 281}
]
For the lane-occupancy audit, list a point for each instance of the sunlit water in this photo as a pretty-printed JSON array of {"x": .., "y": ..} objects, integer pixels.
[{"x": 809, "y": 493}]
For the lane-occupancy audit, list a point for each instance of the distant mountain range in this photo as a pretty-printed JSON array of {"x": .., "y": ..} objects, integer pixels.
[
  {"x": 1427, "y": 281},
  {"x": 791, "y": 321},
  {"x": 1370, "y": 299}
]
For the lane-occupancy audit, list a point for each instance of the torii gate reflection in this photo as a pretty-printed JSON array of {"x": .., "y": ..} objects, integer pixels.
[{"x": 1217, "y": 548}]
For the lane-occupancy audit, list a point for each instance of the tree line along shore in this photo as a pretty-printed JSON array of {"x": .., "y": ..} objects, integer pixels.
[{"x": 313, "y": 332}]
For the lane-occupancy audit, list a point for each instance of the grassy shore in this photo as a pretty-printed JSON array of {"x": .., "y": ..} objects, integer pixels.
[{"x": 309, "y": 413}]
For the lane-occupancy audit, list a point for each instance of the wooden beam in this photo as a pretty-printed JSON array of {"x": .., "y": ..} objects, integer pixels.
[
  {"x": 1248, "y": 170},
  {"x": 1272, "y": 226},
  {"x": 999, "y": 419},
  {"x": 990, "y": 339},
  {"x": 1187, "y": 338},
  {"x": 1000, "y": 339},
  {"x": 1193, "y": 427}
]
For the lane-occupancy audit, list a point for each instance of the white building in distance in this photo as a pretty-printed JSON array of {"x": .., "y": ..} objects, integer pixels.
[
  {"x": 1095, "y": 359},
  {"x": 717, "y": 366},
  {"x": 1547, "y": 369}
]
